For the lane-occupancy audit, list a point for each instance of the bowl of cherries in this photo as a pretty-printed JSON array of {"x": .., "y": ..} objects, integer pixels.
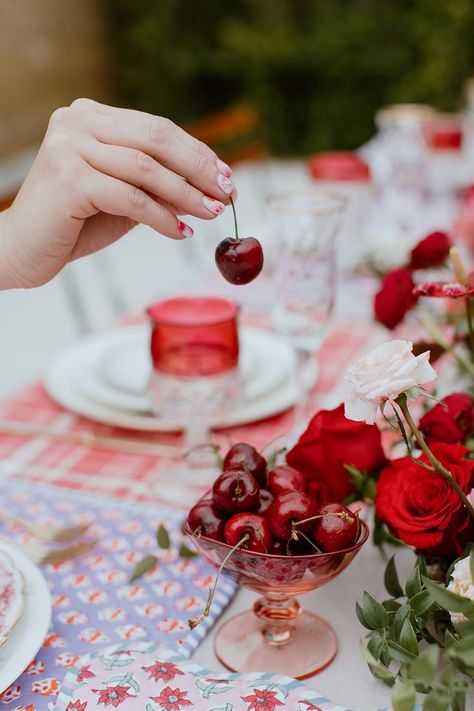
[{"x": 260, "y": 524}]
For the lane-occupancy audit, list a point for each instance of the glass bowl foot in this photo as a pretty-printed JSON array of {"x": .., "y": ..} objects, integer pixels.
[{"x": 309, "y": 646}]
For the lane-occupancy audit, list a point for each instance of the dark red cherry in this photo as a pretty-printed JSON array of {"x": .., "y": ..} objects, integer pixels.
[
  {"x": 235, "y": 491},
  {"x": 266, "y": 498},
  {"x": 205, "y": 519},
  {"x": 335, "y": 533},
  {"x": 287, "y": 509},
  {"x": 244, "y": 456},
  {"x": 284, "y": 478},
  {"x": 239, "y": 260},
  {"x": 251, "y": 524}
]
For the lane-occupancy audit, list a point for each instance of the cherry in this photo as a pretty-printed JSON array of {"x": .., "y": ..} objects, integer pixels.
[
  {"x": 235, "y": 491},
  {"x": 288, "y": 509},
  {"x": 244, "y": 456},
  {"x": 284, "y": 478},
  {"x": 239, "y": 260},
  {"x": 266, "y": 498},
  {"x": 205, "y": 519},
  {"x": 259, "y": 536},
  {"x": 335, "y": 533}
]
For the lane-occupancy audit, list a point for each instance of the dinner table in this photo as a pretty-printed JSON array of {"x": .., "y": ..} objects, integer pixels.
[{"x": 60, "y": 466}]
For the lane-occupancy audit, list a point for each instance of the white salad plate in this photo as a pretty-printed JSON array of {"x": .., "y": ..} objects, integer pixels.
[{"x": 28, "y": 634}]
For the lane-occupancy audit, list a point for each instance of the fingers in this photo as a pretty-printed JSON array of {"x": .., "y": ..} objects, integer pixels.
[
  {"x": 117, "y": 197},
  {"x": 140, "y": 169},
  {"x": 169, "y": 145}
]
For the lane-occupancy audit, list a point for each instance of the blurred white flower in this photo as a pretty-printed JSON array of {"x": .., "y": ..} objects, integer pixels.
[
  {"x": 386, "y": 247},
  {"x": 383, "y": 374},
  {"x": 462, "y": 584}
]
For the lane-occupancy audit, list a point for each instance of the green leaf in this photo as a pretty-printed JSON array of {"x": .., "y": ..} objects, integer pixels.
[
  {"x": 447, "y": 599},
  {"x": 143, "y": 566},
  {"x": 391, "y": 605},
  {"x": 357, "y": 475},
  {"x": 375, "y": 645},
  {"x": 375, "y": 614},
  {"x": 185, "y": 552},
  {"x": 162, "y": 537},
  {"x": 361, "y": 618},
  {"x": 400, "y": 616},
  {"x": 413, "y": 584},
  {"x": 408, "y": 637},
  {"x": 449, "y": 639},
  {"x": 399, "y": 653},
  {"x": 437, "y": 700},
  {"x": 461, "y": 653},
  {"x": 378, "y": 670},
  {"x": 421, "y": 602},
  {"x": 471, "y": 564},
  {"x": 392, "y": 584},
  {"x": 424, "y": 667},
  {"x": 403, "y": 695}
]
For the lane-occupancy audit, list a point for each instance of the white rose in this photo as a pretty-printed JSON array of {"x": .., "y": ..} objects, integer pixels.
[
  {"x": 383, "y": 374},
  {"x": 462, "y": 584}
]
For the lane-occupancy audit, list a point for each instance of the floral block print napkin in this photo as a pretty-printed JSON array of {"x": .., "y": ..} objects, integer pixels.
[
  {"x": 148, "y": 677},
  {"x": 94, "y": 604}
]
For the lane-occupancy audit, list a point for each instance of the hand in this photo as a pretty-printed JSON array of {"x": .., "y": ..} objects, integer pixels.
[{"x": 100, "y": 171}]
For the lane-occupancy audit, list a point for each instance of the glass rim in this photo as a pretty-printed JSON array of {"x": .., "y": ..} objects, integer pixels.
[
  {"x": 363, "y": 536},
  {"x": 234, "y": 309},
  {"x": 335, "y": 202}
]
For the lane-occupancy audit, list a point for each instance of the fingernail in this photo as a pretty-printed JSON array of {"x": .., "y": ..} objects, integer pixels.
[
  {"x": 225, "y": 184},
  {"x": 213, "y": 206},
  {"x": 223, "y": 168},
  {"x": 185, "y": 229}
]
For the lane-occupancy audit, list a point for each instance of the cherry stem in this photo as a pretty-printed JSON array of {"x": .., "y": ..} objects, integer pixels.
[
  {"x": 436, "y": 464},
  {"x": 235, "y": 220},
  {"x": 205, "y": 613},
  {"x": 300, "y": 533},
  {"x": 340, "y": 514}
]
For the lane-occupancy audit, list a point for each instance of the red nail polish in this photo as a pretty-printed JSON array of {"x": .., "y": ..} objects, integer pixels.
[{"x": 185, "y": 229}]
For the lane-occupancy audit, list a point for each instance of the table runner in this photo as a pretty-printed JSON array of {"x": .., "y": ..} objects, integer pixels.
[{"x": 94, "y": 603}]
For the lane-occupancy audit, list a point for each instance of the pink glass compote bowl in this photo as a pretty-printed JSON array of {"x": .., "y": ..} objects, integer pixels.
[{"x": 278, "y": 635}]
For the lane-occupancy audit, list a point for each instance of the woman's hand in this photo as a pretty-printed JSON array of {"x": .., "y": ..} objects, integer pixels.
[{"x": 100, "y": 171}]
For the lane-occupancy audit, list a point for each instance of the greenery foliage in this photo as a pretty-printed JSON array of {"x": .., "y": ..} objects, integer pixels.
[{"x": 317, "y": 70}]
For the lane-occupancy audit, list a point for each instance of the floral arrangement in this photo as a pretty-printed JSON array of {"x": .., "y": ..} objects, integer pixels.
[{"x": 421, "y": 638}]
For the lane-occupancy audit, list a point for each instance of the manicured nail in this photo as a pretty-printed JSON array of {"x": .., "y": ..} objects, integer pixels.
[
  {"x": 225, "y": 184},
  {"x": 185, "y": 229},
  {"x": 213, "y": 206},
  {"x": 223, "y": 168}
]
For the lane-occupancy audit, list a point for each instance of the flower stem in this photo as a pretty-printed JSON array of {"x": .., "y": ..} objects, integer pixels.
[
  {"x": 440, "y": 339},
  {"x": 235, "y": 220},
  {"x": 437, "y": 466},
  {"x": 468, "y": 304}
]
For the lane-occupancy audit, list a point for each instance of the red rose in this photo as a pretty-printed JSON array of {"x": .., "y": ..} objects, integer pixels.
[
  {"x": 431, "y": 251},
  {"x": 330, "y": 441},
  {"x": 421, "y": 508},
  {"x": 395, "y": 298},
  {"x": 450, "y": 421}
]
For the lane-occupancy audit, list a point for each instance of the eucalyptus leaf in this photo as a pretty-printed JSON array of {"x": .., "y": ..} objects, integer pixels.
[
  {"x": 423, "y": 668},
  {"x": 413, "y": 584},
  {"x": 408, "y": 637},
  {"x": 403, "y": 695},
  {"x": 461, "y": 653},
  {"x": 400, "y": 616},
  {"x": 399, "y": 653},
  {"x": 143, "y": 566},
  {"x": 162, "y": 537},
  {"x": 185, "y": 552},
  {"x": 447, "y": 599},
  {"x": 392, "y": 584},
  {"x": 361, "y": 618},
  {"x": 437, "y": 700},
  {"x": 374, "y": 613},
  {"x": 421, "y": 602},
  {"x": 378, "y": 670},
  {"x": 375, "y": 645}
]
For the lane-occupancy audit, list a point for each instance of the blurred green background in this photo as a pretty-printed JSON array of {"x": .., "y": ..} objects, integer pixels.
[{"x": 316, "y": 70}]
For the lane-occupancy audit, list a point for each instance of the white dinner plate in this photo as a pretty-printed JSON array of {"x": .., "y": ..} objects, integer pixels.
[
  {"x": 61, "y": 382},
  {"x": 114, "y": 369},
  {"x": 28, "y": 634}
]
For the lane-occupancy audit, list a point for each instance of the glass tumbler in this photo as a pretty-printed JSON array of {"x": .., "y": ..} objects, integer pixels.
[{"x": 194, "y": 381}]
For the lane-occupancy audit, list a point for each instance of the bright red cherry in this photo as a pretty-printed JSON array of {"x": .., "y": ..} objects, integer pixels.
[
  {"x": 290, "y": 508},
  {"x": 335, "y": 533},
  {"x": 235, "y": 491},
  {"x": 266, "y": 498},
  {"x": 239, "y": 261},
  {"x": 244, "y": 456},
  {"x": 251, "y": 524},
  {"x": 284, "y": 478},
  {"x": 205, "y": 519}
]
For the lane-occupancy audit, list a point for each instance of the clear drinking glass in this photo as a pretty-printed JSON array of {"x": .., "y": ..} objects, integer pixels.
[
  {"x": 305, "y": 225},
  {"x": 194, "y": 382}
]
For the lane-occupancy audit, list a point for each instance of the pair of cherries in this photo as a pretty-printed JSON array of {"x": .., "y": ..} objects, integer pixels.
[{"x": 271, "y": 508}]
